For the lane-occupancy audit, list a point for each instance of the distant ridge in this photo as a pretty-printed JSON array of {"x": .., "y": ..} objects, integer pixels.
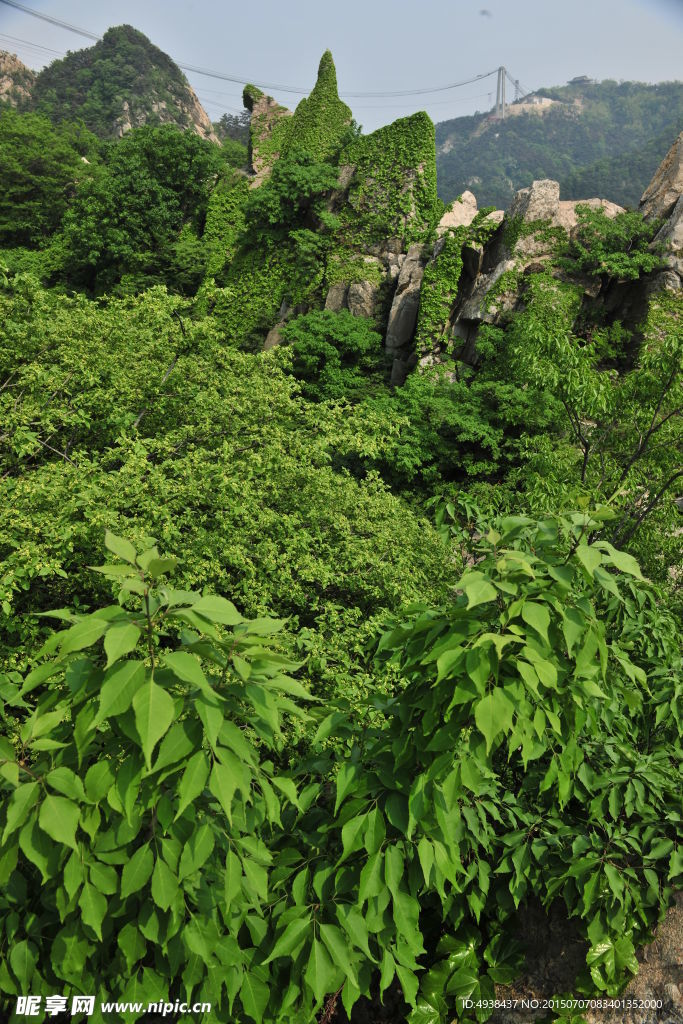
[{"x": 595, "y": 138}]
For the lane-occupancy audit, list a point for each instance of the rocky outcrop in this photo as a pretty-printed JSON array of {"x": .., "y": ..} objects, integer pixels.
[
  {"x": 403, "y": 314},
  {"x": 663, "y": 198},
  {"x": 461, "y": 212},
  {"x": 666, "y": 187},
  {"x": 16, "y": 80},
  {"x": 268, "y": 129}
]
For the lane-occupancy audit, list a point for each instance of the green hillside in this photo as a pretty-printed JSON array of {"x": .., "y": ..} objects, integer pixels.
[
  {"x": 121, "y": 82},
  {"x": 604, "y": 139}
]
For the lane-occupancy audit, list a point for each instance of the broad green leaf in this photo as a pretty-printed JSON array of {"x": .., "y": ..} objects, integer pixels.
[
  {"x": 371, "y": 880},
  {"x": 425, "y": 852},
  {"x": 393, "y": 868},
  {"x": 93, "y": 908},
  {"x": 65, "y": 781},
  {"x": 338, "y": 947},
  {"x": 137, "y": 871},
  {"x": 493, "y": 715},
  {"x": 132, "y": 944},
  {"x": 254, "y": 995},
  {"x": 196, "y": 851},
  {"x": 589, "y": 556},
  {"x": 104, "y": 877},
  {"x": 84, "y": 634},
  {"x": 217, "y": 609},
  {"x": 537, "y": 616},
  {"x": 193, "y": 781},
  {"x": 232, "y": 878},
  {"x": 164, "y": 885},
  {"x": 59, "y": 818},
  {"x": 320, "y": 974},
  {"x": 351, "y": 835},
  {"x": 154, "y": 711},
  {"x": 120, "y": 640},
  {"x": 120, "y": 546},
  {"x": 346, "y": 780},
  {"x": 291, "y": 938},
  {"x": 223, "y": 784},
  {"x": 120, "y": 685},
  {"x": 375, "y": 832},
  {"x": 621, "y": 560},
  {"x": 479, "y": 591},
  {"x": 186, "y": 666},
  {"x": 22, "y": 960},
  {"x": 409, "y": 983}
]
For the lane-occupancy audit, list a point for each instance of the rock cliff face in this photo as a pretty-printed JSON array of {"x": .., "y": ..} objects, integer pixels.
[
  {"x": 663, "y": 200},
  {"x": 16, "y": 80},
  {"x": 493, "y": 266}
]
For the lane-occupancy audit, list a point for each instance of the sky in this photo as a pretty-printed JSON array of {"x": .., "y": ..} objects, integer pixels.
[{"x": 378, "y": 45}]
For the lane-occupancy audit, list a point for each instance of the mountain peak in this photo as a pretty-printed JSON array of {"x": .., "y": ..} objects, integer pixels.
[{"x": 120, "y": 83}]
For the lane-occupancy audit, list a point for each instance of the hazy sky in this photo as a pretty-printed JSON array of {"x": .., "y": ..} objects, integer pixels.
[{"x": 378, "y": 45}]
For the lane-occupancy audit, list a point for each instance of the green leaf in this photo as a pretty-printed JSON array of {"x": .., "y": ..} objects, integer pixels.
[
  {"x": 217, "y": 609},
  {"x": 320, "y": 973},
  {"x": 164, "y": 885},
  {"x": 59, "y": 818},
  {"x": 351, "y": 836},
  {"x": 621, "y": 560},
  {"x": 371, "y": 880},
  {"x": 393, "y": 868},
  {"x": 223, "y": 784},
  {"x": 93, "y": 908},
  {"x": 84, "y": 634},
  {"x": 493, "y": 715},
  {"x": 291, "y": 938},
  {"x": 187, "y": 667},
  {"x": 346, "y": 779},
  {"x": 120, "y": 547},
  {"x": 132, "y": 944},
  {"x": 120, "y": 640},
  {"x": 409, "y": 983},
  {"x": 65, "y": 781},
  {"x": 120, "y": 685},
  {"x": 232, "y": 878},
  {"x": 337, "y": 945},
  {"x": 254, "y": 995},
  {"x": 590, "y": 557},
  {"x": 104, "y": 877},
  {"x": 137, "y": 871},
  {"x": 193, "y": 781},
  {"x": 425, "y": 852},
  {"x": 196, "y": 851},
  {"x": 537, "y": 616},
  {"x": 22, "y": 960},
  {"x": 154, "y": 712},
  {"x": 479, "y": 591}
]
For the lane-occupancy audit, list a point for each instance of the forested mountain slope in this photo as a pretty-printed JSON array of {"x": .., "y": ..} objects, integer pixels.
[
  {"x": 604, "y": 139},
  {"x": 121, "y": 82}
]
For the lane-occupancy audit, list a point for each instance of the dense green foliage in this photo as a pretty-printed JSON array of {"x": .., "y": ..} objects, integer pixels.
[
  {"x": 241, "y": 883},
  {"x": 604, "y": 139},
  {"x": 471, "y": 692},
  {"x": 92, "y": 85},
  {"x": 40, "y": 170}
]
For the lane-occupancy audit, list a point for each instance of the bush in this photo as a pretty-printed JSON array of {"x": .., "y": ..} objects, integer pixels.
[{"x": 155, "y": 846}]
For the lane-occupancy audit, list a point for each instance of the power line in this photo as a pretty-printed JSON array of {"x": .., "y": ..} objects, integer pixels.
[
  {"x": 53, "y": 21},
  {"x": 246, "y": 80},
  {"x": 33, "y": 46}
]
